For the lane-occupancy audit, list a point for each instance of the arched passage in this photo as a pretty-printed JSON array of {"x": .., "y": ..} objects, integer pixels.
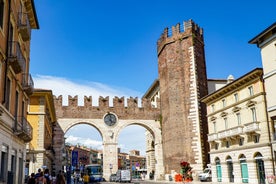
[{"x": 110, "y": 136}]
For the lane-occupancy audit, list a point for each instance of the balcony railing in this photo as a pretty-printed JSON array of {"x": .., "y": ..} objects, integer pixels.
[
  {"x": 23, "y": 129},
  {"x": 222, "y": 134},
  {"x": 15, "y": 57},
  {"x": 28, "y": 83},
  {"x": 236, "y": 132},
  {"x": 212, "y": 137},
  {"x": 24, "y": 27},
  {"x": 251, "y": 127},
  {"x": 231, "y": 132}
]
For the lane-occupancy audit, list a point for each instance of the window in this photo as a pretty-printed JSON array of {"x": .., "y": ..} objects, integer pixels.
[
  {"x": 238, "y": 115},
  {"x": 8, "y": 91},
  {"x": 256, "y": 138},
  {"x": 23, "y": 109},
  {"x": 225, "y": 123},
  {"x": 13, "y": 161},
  {"x": 1, "y": 13},
  {"x": 253, "y": 113},
  {"x": 241, "y": 141},
  {"x": 4, "y": 163},
  {"x": 227, "y": 144},
  {"x": 218, "y": 169},
  {"x": 236, "y": 96},
  {"x": 16, "y": 104},
  {"x": 216, "y": 146},
  {"x": 20, "y": 170},
  {"x": 223, "y": 103},
  {"x": 250, "y": 89},
  {"x": 244, "y": 169},
  {"x": 215, "y": 127},
  {"x": 213, "y": 107}
]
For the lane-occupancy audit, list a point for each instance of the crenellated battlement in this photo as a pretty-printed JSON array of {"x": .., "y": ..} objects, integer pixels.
[
  {"x": 179, "y": 31},
  {"x": 131, "y": 109}
]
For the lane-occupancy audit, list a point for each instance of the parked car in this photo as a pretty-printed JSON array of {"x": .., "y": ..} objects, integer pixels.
[
  {"x": 112, "y": 177},
  {"x": 206, "y": 175},
  {"x": 123, "y": 176}
]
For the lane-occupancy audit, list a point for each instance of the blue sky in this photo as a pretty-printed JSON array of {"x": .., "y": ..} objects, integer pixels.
[{"x": 108, "y": 47}]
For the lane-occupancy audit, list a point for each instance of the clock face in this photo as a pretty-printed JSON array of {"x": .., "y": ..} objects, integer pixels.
[{"x": 110, "y": 119}]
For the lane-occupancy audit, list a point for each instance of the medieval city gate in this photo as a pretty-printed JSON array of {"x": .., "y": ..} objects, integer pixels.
[{"x": 109, "y": 121}]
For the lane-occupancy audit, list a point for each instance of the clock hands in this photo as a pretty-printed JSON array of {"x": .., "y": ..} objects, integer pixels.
[{"x": 110, "y": 119}]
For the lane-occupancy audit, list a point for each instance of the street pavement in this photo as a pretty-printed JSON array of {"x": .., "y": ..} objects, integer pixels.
[{"x": 152, "y": 182}]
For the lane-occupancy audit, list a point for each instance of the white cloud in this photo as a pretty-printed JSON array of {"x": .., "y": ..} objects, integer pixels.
[
  {"x": 132, "y": 137},
  {"x": 90, "y": 143},
  {"x": 65, "y": 87}
]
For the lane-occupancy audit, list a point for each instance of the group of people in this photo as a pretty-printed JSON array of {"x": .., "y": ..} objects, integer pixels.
[{"x": 44, "y": 177}]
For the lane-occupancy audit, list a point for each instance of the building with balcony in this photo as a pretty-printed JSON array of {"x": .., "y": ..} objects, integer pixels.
[
  {"x": 239, "y": 131},
  {"x": 17, "y": 19},
  {"x": 266, "y": 41},
  {"x": 42, "y": 117}
]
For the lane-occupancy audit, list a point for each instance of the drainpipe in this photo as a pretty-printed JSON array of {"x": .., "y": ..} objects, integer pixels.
[{"x": 7, "y": 53}]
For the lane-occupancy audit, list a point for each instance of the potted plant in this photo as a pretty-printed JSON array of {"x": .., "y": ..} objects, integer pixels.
[{"x": 186, "y": 171}]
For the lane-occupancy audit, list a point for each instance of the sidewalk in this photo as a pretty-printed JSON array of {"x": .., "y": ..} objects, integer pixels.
[{"x": 174, "y": 182}]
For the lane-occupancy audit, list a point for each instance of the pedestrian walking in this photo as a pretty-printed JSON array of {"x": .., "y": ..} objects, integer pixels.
[
  {"x": 54, "y": 178},
  {"x": 38, "y": 173},
  {"x": 60, "y": 178},
  {"x": 86, "y": 178},
  {"x": 41, "y": 179},
  {"x": 31, "y": 180},
  {"x": 47, "y": 176}
]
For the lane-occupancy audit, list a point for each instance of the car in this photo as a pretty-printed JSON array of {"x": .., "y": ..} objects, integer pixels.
[
  {"x": 123, "y": 176},
  {"x": 206, "y": 175},
  {"x": 112, "y": 177}
]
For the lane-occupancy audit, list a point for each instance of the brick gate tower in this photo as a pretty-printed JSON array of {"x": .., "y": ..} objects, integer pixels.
[{"x": 183, "y": 81}]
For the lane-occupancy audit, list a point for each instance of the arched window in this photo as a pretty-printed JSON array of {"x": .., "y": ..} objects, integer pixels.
[
  {"x": 244, "y": 169},
  {"x": 260, "y": 168},
  {"x": 218, "y": 169},
  {"x": 230, "y": 169}
]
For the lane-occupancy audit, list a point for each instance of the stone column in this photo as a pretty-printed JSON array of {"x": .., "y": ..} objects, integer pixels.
[
  {"x": 110, "y": 156},
  {"x": 159, "y": 165}
]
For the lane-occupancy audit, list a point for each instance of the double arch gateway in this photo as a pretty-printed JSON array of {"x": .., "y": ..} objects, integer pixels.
[
  {"x": 110, "y": 137},
  {"x": 71, "y": 115}
]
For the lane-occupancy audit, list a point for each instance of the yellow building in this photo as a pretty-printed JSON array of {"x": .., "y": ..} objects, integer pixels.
[
  {"x": 42, "y": 116},
  {"x": 17, "y": 19},
  {"x": 239, "y": 138}
]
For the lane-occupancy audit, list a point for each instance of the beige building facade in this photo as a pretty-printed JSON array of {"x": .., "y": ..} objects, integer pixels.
[
  {"x": 46, "y": 150},
  {"x": 239, "y": 131},
  {"x": 17, "y": 19},
  {"x": 266, "y": 41}
]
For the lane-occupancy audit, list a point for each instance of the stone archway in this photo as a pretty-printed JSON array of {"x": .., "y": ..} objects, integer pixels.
[
  {"x": 146, "y": 116},
  {"x": 110, "y": 140}
]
